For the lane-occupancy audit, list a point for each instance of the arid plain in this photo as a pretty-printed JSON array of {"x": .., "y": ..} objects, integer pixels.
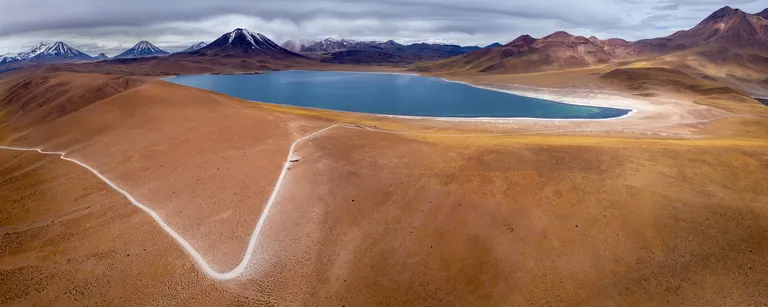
[
  {"x": 384, "y": 211},
  {"x": 119, "y": 188}
]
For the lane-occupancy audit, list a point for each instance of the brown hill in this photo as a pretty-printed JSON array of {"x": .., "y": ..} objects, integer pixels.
[
  {"x": 559, "y": 50},
  {"x": 725, "y": 27},
  {"x": 29, "y": 102}
]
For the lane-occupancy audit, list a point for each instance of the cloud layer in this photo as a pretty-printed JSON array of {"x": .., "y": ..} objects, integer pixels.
[{"x": 111, "y": 26}]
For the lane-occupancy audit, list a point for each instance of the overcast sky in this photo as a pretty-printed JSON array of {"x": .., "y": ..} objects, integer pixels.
[{"x": 109, "y": 26}]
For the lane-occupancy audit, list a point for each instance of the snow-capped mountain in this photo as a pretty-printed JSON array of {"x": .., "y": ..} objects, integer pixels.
[
  {"x": 23, "y": 56},
  {"x": 101, "y": 57},
  {"x": 329, "y": 45},
  {"x": 8, "y": 58},
  {"x": 376, "y": 51},
  {"x": 242, "y": 42},
  {"x": 142, "y": 49},
  {"x": 60, "y": 52},
  {"x": 297, "y": 45},
  {"x": 333, "y": 45},
  {"x": 194, "y": 47}
]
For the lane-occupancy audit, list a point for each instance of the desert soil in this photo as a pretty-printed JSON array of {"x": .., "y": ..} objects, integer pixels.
[{"x": 666, "y": 215}]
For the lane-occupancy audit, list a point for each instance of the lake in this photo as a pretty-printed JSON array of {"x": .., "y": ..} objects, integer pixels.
[{"x": 387, "y": 94}]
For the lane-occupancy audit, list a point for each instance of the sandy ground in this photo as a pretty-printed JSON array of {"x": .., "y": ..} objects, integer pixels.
[{"x": 672, "y": 216}]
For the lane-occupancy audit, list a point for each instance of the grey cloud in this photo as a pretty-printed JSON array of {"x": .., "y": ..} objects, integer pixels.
[
  {"x": 667, "y": 7},
  {"x": 113, "y": 25}
]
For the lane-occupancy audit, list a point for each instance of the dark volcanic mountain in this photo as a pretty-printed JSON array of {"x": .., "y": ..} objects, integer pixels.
[
  {"x": 142, "y": 49},
  {"x": 101, "y": 57},
  {"x": 244, "y": 43},
  {"x": 194, "y": 47},
  {"x": 60, "y": 52},
  {"x": 494, "y": 45}
]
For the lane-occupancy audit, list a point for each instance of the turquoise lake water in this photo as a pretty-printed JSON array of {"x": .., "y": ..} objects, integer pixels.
[{"x": 388, "y": 94}]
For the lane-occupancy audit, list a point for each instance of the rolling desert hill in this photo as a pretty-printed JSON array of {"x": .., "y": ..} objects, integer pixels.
[{"x": 31, "y": 102}]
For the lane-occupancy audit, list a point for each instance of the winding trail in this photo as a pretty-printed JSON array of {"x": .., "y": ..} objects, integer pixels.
[
  {"x": 240, "y": 268},
  {"x": 201, "y": 263}
]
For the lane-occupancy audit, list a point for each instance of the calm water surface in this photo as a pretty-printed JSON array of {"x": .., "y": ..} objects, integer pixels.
[{"x": 389, "y": 94}]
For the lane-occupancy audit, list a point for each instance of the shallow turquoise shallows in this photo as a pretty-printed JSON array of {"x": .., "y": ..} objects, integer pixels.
[{"x": 388, "y": 94}]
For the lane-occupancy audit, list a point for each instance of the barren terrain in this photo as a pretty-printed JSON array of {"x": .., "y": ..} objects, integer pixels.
[{"x": 668, "y": 206}]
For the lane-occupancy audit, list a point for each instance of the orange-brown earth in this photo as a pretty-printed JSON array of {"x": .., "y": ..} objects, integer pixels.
[{"x": 614, "y": 216}]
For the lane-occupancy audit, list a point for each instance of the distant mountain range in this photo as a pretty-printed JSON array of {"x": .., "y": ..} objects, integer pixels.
[
  {"x": 727, "y": 27},
  {"x": 346, "y": 51},
  {"x": 47, "y": 53},
  {"x": 243, "y": 42}
]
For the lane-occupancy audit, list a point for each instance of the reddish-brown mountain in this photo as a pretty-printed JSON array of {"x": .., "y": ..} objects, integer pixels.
[
  {"x": 559, "y": 50},
  {"x": 725, "y": 27},
  {"x": 728, "y": 27}
]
